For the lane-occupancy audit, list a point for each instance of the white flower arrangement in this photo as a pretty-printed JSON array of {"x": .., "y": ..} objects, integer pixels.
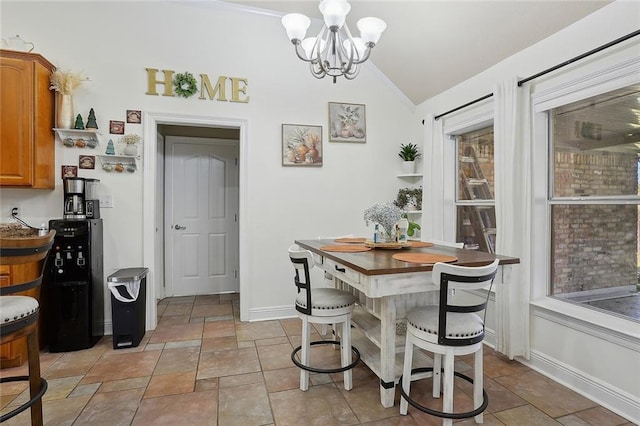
[
  {"x": 386, "y": 215},
  {"x": 131, "y": 139}
]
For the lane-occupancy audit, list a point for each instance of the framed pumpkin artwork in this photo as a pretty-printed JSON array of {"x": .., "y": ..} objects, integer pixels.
[{"x": 301, "y": 145}]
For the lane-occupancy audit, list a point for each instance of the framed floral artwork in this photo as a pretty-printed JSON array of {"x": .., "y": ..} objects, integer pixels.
[
  {"x": 347, "y": 123},
  {"x": 301, "y": 145}
]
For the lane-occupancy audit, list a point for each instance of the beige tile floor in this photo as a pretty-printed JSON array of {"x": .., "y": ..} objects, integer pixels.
[{"x": 202, "y": 366}]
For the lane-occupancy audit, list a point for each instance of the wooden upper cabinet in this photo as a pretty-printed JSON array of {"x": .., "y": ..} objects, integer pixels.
[{"x": 27, "y": 113}]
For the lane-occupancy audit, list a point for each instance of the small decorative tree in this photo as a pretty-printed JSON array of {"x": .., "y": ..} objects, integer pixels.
[
  {"x": 79, "y": 124},
  {"x": 91, "y": 120},
  {"x": 110, "y": 148}
]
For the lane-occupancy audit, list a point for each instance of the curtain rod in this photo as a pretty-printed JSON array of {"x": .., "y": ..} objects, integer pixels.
[{"x": 548, "y": 70}]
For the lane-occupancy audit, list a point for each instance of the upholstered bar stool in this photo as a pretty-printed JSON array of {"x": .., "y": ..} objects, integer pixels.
[
  {"x": 449, "y": 329},
  {"x": 321, "y": 306},
  {"x": 19, "y": 313}
]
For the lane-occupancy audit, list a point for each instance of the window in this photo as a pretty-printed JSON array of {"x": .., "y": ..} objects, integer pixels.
[
  {"x": 475, "y": 206},
  {"x": 594, "y": 201}
]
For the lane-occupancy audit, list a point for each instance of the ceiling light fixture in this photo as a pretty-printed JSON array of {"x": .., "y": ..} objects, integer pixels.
[{"x": 333, "y": 52}]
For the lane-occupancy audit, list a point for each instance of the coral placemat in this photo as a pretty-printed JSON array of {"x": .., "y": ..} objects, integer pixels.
[
  {"x": 345, "y": 248},
  {"x": 350, "y": 240},
  {"x": 424, "y": 257},
  {"x": 417, "y": 244}
]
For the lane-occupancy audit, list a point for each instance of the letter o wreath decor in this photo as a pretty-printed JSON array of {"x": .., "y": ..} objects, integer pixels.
[{"x": 185, "y": 84}]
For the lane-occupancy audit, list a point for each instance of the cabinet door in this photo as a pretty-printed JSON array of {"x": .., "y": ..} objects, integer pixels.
[{"x": 16, "y": 130}]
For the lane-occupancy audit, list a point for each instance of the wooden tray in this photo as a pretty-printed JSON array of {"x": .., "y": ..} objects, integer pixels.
[
  {"x": 345, "y": 248},
  {"x": 424, "y": 257},
  {"x": 350, "y": 240},
  {"x": 418, "y": 244},
  {"x": 389, "y": 246}
]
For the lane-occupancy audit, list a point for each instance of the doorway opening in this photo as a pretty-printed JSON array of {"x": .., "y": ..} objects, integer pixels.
[{"x": 224, "y": 143}]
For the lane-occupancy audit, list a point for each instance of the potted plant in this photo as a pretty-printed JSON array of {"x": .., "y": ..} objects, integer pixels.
[
  {"x": 402, "y": 199},
  {"x": 409, "y": 198},
  {"x": 415, "y": 195},
  {"x": 409, "y": 153},
  {"x": 413, "y": 226}
]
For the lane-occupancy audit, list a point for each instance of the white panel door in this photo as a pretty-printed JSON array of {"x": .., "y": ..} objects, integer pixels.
[{"x": 203, "y": 203}]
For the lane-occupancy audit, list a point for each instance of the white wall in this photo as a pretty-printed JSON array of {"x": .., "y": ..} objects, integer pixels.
[
  {"x": 593, "y": 353},
  {"x": 113, "y": 43}
]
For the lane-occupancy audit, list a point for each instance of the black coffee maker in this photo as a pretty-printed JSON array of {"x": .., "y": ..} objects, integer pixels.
[{"x": 74, "y": 199}]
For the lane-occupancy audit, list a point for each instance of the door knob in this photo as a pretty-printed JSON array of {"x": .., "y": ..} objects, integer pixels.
[{"x": 178, "y": 227}]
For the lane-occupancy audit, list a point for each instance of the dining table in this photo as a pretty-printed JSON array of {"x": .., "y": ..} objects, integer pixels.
[{"x": 386, "y": 289}]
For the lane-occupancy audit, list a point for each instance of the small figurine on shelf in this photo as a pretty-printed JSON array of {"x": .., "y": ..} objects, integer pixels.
[
  {"x": 110, "y": 148},
  {"x": 91, "y": 120},
  {"x": 79, "y": 124}
]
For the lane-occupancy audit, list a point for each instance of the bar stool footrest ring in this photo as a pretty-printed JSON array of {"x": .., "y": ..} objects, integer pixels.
[
  {"x": 354, "y": 350},
  {"x": 28, "y": 404},
  {"x": 465, "y": 415}
]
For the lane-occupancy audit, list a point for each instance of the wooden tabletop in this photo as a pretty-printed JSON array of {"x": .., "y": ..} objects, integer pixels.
[{"x": 380, "y": 261}]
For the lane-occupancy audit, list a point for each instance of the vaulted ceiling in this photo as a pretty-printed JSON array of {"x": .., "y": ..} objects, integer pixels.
[{"x": 430, "y": 46}]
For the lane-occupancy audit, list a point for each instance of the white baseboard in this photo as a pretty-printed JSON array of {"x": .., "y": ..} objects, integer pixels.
[
  {"x": 612, "y": 398},
  {"x": 272, "y": 313}
]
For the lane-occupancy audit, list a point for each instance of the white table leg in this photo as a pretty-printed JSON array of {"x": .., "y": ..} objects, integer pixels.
[{"x": 387, "y": 351}]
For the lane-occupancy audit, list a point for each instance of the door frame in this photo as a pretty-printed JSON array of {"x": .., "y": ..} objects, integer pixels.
[{"x": 151, "y": 239}]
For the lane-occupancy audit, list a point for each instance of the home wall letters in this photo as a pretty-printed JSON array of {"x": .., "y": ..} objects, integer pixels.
[{"x": 237, "y": 87}]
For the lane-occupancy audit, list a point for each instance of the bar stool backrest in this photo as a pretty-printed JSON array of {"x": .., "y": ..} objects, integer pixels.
[
  {"x": 302, "y": 262},
  {"x": 452, "y": 277}
]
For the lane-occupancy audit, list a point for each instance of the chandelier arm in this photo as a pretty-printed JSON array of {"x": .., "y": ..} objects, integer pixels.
[
  {"x": 323, "y": 60},
  {"x": 297, "y": 43},
  {"x": 366, "y": 55},
  {"x": 353, "y": 73},
  {"x": 353, "y": 54},
  {"x": 346, "y": 69},
  {"x": 317, "y": 73}
]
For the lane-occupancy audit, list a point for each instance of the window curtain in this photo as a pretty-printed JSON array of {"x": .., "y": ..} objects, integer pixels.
[
  {"x": 513, "y": 198},
  {"x": 433, "y": 206}
]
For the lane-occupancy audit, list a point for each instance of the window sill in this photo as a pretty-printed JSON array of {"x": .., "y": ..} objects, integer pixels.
[{"x": 608, "y": 327}]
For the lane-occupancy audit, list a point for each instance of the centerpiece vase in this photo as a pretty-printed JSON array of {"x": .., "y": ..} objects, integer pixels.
[
  {"x": 389, "y": 236},
  {"x": 64, "y": 112},
  {"x": 130, "y": 149}
]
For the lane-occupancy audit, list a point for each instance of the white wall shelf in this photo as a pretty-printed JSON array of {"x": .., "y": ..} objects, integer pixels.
[
  {"x": 78, "y": 138},
  {"x": 118, "y": 163}
]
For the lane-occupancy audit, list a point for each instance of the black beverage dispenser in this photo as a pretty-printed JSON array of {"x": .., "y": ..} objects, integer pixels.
[{"x": 73, "y": 291}]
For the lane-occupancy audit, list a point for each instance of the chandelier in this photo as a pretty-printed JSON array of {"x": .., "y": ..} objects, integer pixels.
[{"x": 334, "y": 51}]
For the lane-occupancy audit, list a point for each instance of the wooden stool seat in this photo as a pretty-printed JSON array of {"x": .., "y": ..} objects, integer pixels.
[{"x": 19, "y": 314}]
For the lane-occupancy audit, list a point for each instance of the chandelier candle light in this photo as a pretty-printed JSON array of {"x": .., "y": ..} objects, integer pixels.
[{"x": 334, "y": 52}]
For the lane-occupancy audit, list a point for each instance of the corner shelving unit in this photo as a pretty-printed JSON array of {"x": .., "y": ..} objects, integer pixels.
[{"x": 416, "y": 214}]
